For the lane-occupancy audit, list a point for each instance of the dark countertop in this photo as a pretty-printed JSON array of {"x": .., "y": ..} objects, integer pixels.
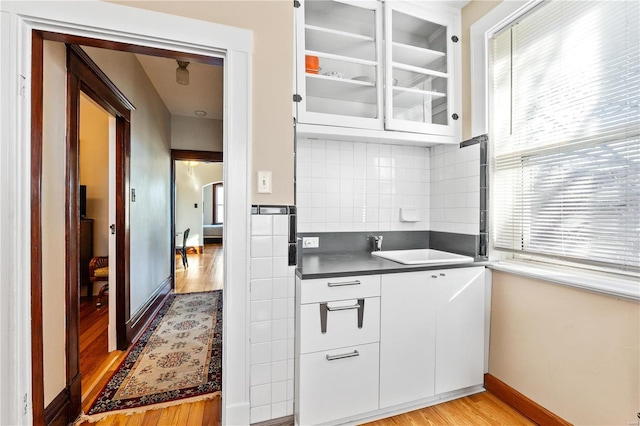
[{"x": 344, "y": 264}]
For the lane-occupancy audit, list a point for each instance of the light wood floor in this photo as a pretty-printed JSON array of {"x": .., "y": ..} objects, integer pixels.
[
  {"x": 204, "y": 272},
  {"x": 477, "y": 410}
]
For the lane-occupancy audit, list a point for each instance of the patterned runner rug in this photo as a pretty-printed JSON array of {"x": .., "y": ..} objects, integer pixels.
[{"x": 177, "y": 359}]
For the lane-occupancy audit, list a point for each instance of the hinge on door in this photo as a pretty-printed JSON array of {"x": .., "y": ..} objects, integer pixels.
[
  {"x": 296, "y": 3},
  {"x": 22, "y": 86},
  {"x": 297, "y": 98}
]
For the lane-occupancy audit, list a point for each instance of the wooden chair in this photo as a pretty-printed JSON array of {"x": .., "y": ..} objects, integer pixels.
[
  {"x": 183, "y": 249},
  {"x": 99, "y": 272}
]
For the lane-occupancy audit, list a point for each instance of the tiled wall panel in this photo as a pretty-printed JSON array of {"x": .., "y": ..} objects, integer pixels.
[
  {"x": 272, "y": 318},
  {"x": 350, "y": 186},
  {"x": 455, "y": 189}
]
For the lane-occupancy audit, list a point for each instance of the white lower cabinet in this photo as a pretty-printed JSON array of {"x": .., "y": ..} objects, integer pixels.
[
  {"x": 339, "y": 383},
  {"x": 431, "y": 333},
  {"x": 407, "y": 338},
  {"x": 374, "y": 343},
  {"x": 460, "y": 324}
]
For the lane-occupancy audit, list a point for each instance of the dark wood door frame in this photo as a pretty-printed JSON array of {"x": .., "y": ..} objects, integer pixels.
[
  {"x": 66, "y": 407},
  {"x": 84, "y": 76},
  {"x": 184, "y": 155}
]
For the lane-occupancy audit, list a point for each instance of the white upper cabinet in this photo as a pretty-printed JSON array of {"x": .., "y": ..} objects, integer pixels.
[
  {"x": 419, "y": 70},
  {"x": 377, "y": 70},
  {"x": 341, "y": 43}
]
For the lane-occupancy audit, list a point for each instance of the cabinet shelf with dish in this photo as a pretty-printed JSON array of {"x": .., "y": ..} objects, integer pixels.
[{"x": 345, "y": 37}]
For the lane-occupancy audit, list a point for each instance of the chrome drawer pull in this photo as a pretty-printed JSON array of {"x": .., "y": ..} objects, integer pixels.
[
  {"x": 343, "y": 308},
  {"x": 342, "y": 356},
  {"x": 325, "y": 308},
  {"x": 340, "y": 284}
]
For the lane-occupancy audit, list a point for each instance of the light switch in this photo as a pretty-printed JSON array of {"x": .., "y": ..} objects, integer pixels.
[{"x": 264, "y": 182}]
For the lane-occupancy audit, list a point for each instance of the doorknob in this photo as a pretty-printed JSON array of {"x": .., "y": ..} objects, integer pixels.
[{"x": 113, "y": 228}]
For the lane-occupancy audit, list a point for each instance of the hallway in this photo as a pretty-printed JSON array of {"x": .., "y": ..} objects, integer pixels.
[{"x": 205, "y": 272}]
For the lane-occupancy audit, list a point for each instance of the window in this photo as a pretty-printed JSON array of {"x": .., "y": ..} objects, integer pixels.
[
  {"x": 565, "y": 134},
  {"x": 218, "y": 203}
]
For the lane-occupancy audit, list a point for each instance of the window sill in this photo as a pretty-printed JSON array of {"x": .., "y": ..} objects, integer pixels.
[{"x": 627, "y": 288}]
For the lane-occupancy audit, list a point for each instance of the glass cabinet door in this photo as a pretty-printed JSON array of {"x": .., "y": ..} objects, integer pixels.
[
  {"x": 339, "y": 73},
  {"x": 419, "y": 71}
]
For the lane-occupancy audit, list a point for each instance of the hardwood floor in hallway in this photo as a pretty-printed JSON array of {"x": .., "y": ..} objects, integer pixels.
[{"x": 205, "y": 272}]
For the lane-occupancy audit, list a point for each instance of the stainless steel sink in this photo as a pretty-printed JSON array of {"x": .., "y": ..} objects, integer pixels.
[{"x": 423, "y": 256}]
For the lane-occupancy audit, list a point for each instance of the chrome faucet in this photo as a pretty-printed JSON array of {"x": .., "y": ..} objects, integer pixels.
[{"x": 377, "y": 242}]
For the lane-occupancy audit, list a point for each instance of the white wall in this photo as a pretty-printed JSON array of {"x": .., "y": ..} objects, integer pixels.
[
  {"x": 347, "y": 186},
  {"x": 53, "y": 219},
  {"x": 200, "y": 134},
  {"x": 150, "y": 219},
  {"x": 189, "y": 183},
  {"x": 94, "y": 170}
]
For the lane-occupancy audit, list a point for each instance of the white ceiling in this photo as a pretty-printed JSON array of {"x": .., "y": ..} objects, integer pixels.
[{"x": 204, "y": 91}]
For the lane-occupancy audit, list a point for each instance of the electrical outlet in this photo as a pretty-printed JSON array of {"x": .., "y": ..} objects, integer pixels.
[{"x": 310, "y": 242}]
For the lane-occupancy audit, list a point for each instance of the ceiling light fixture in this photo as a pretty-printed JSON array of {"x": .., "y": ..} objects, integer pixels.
[
  {"x": 200, "y": 113},
  {"x": 182, "y": 73}
]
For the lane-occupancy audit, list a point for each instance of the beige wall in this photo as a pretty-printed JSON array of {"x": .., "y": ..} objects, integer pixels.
[
  {"x": 573, "y": 352},
  {"x": 473, "y": 11},
  {"x": 193, "y": 133},
  {"x": 94, "y": 171},
  {"x": 53, "y": 219},
  {"x": 150, "y": 218},
  {"x": 272, "y": 133}
]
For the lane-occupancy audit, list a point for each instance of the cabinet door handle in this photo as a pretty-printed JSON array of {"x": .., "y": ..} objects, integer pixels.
[
  {"x": 343, "y": 356},
  {"x": 342, "y": 308},
  {"x": 325, "y": 309},
  {"x": 340, "y": 284}
]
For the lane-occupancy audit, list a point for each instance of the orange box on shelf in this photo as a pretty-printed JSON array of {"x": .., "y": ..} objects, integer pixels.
[{"x": 312, "y": 64}]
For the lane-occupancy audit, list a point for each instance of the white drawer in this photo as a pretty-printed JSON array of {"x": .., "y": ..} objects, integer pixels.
[
  {"x": 339, "y": 288},
  {"x": 332, "y": 388},
  {"x": 342, "y": 325}
]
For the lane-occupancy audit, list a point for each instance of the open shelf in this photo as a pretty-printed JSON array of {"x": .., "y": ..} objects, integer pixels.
[
  {"x": 343, "y": 89},
  {"x": 341, "y": 58},
  {"x": 338, "y": 33},
  {"x": 408, "y": 98},
  {"x": 408, "y": 54},
  {"x": 340, "y": 43},
  {"x": 419, "y": 70}
]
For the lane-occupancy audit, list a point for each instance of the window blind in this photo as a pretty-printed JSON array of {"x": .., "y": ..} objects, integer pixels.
[{"x": 565, "y": 133}]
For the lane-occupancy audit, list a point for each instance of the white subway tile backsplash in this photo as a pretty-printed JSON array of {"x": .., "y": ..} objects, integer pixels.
[
  {"x": 279, "y": 371},
  {"x": 279, "y": 391},
  {"x": 281, "y": 225},
  {"x": 358, "y": 174},
  {"x": 279, "y": 350},
  {"x": 260, "y": 352},
  {"x": 278, "y": 410},
  {"x": 279, "y": 329},
  {"x": 272, "y": 311},
  {"x": 260, "y": 374},
  {"x": 261, "y": 289},
  {"x": 262, "y": 246},
  {"x": 261, "y": 413},
  {"x": 260, "y": 395},
  {"x": 261, "y": 332},
  {"x": 261, "y": 267},
  {"x": 260, "y": 310},
  {"x": 261, "y": 225}
]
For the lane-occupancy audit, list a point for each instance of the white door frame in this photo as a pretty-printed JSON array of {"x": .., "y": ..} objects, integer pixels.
[{"x": 124, "y": 24}]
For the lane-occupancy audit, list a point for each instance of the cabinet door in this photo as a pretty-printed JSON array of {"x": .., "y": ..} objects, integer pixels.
[
  {"x": 460, "y": 328},
  {"x": 338, "y": 383},
  {"x": 340, "y": 41},
  {"x": 419, "y": 70},
  {"x": 407, "y": 336}
]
